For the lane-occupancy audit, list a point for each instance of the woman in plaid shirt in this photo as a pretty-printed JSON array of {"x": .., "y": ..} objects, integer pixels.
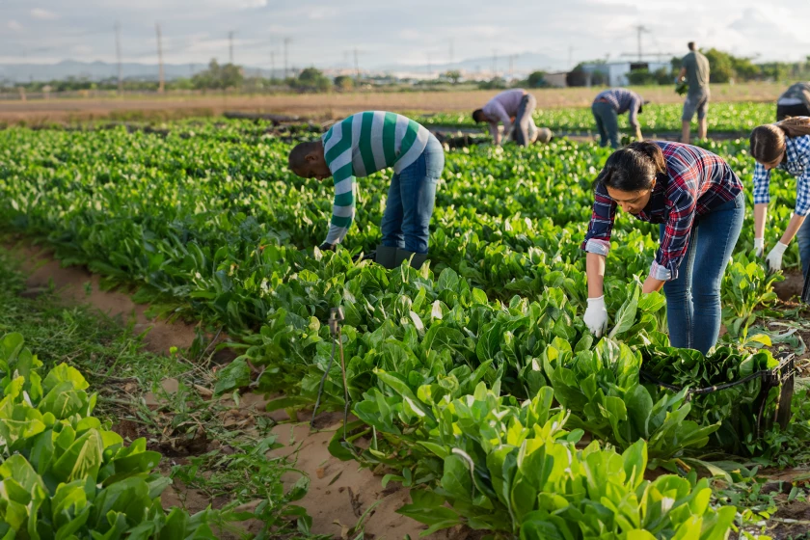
[
  {"x": 784, "y": 145},
  {"x": 700, "y": 204}
]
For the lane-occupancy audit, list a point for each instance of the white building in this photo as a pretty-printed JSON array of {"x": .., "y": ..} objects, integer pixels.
[{"x": 616, "y": 72}]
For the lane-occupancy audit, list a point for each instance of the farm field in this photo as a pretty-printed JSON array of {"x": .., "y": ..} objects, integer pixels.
[
  {"x": 330, "y": 106},
  {"x": 475, "y": 392}
]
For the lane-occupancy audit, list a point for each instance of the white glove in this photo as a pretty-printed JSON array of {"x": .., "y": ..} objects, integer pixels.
[
  {"x": 774, "y": 258},
  {"x": 596, "y": 316},
  {"x": 759, "y": 246}
]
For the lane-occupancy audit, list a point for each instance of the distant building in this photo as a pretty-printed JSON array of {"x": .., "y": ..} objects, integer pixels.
[
  {"x": 556, "y": 80},
  {"x": 615, "y": 73}
]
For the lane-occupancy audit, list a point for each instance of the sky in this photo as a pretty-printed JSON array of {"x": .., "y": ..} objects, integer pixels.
[{"x": 325, "y": 33}]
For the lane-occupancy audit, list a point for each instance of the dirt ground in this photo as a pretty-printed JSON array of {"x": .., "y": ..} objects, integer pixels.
[
  {"x": 339, "y": 491},
  {"x": 332, "y": 105}
]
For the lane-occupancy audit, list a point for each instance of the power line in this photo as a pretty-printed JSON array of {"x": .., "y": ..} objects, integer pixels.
[
  {"x": 161, "y": 86},
  {"x": 286, "y": 57}
]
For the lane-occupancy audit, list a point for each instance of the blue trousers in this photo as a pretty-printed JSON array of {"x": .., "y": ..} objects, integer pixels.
[
  {"x": 693, "y": 299},
  {"x": 411, "y": 197}
]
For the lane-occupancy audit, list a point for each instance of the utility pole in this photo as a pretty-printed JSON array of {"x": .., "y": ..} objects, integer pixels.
[
  {"x": 451, "y": 53},
  {"x": 272, "y": 65},
  {"x": 286, "y": 58},
  {"x": 118, "y": 56},
  {"x": 161, "y": 86},
  {"x": 570, "y": 57},
  {"x": 494, "y": 62},
  {"x": 356, "y": 65},
  {"x": 511, "y": 65},
  {"x": 640, "y": 29},
  {"x": 429, "y": 67},
  {"x": 230, "y": 47}
]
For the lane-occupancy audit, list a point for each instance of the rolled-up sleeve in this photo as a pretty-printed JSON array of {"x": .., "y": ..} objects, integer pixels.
[
  {"x": 635, "y": 103},
  {"x": 677, "y": 233},
  {"x": 597, "y": 239},
  {"x": 762, "y": 184}
]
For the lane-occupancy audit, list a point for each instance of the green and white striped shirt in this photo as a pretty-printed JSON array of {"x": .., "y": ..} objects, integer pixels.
[{"x": 363, "y": 144}]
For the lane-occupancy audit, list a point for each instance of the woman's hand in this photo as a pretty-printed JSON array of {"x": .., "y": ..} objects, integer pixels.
[
  {"x": 596, "y": 316},
  {"x": 652, "y": 285}
]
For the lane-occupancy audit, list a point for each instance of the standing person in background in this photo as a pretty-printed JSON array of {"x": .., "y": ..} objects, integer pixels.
[
  {"x": 700, "y": 204},
  {"x": 513, "y": 109},
  {"x": 695, "y": 69},
  {"x": 795, "y": 101},
  {"x": 606, "y": 109},
  {"x": 363, "y": 144},
  {"x": 784, "y": 145}
]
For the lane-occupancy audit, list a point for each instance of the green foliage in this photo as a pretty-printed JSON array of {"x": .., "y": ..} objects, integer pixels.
[
  {"x": 63, "y": 474},
  {"x": 312, "y": 80},
  {"x": 218, "y": 77},
  {"x": 344, "y": 82},
  {"x": 513, "y": 469}
]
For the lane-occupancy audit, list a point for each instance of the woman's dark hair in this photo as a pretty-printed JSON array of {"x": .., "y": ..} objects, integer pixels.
[
  {"x": 633, "y": 168},
  {"x": 768, "y": 142},
  {"x": 478, "y": 115}
]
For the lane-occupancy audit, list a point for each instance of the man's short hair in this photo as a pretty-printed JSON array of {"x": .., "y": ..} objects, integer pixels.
[
  {"x": 298, "y": 155},
  {"x": 691, "y": 45},
  {"x": 478, "y": 115}
]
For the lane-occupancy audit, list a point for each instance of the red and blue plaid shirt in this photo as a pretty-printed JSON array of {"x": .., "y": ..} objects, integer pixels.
[{"x": 696, "y": 182}]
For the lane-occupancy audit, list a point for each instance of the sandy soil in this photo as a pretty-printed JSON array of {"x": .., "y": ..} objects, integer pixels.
[
  {"x": 333, "y": 105},
  {"x": 339, "y": 491}
]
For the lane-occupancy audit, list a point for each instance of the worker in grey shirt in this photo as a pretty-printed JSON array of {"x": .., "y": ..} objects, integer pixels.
[
  {"x": 514, "y": 104},
  {"x": 695, "y": 68},
  {"x": 606, "y": 109},
  {"x": 794, "y": 102}
]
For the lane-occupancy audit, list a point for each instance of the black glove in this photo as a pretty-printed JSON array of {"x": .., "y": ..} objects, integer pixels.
[{"x": 327, "y": 247}]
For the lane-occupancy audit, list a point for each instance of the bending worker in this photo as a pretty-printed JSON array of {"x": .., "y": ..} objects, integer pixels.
[
  {"x": 784, "y": 145},
  {"x": 795, "y": 101},
  {"x": 514, "y": 104},
  {"x": 700, "y": 204},
  {"x": 363, "y": 144},
  {"x": 695, "y": 69},
  {"x": 606, "y": 109}
]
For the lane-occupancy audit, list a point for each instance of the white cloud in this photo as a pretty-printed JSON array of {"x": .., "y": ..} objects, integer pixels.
[
  {"x": 14, "y": 26},
  {"x": 81, "y": 50},
  {"x": 44, "y": 14}
]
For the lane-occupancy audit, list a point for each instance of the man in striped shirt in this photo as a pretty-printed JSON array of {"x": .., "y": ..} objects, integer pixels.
[
  {"x": 606, "y": 109},
  {"x": 363, "y": 144}
]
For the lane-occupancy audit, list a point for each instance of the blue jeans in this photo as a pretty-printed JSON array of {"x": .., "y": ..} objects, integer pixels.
[
  {"x": 607, "y": 123},
  {"x": 693, "y": 300},
  {"x": 803, "y": 238},
  {"x": 406, "y": 221}
]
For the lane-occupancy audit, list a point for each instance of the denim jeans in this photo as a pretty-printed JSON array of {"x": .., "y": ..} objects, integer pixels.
[
  {"x": 693, "y": 299},
  {"x": 803, "y": 238},
  {"x": 406, "y": 221},
  {"x": 522, "y": 120},
  {"x": 607, "y": 122}
]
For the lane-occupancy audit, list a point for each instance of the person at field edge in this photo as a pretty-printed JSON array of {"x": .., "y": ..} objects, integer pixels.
[
  {"x": 795, "y": 101},
  {"x": 512, "y": 108},
  {"x": 700, "y": 205},
  {"x": 695, "y": 69},
  {"x": 784, "y": 145},
  {"x": 365, "y": 143},
  {"x": 606, "y": 109}
]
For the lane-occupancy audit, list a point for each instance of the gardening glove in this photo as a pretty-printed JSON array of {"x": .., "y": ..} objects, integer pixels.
[
  {"x": 759, "y": 246},
  {"x": 774, "y": 258},
  {"x": 327, "y": 247},
  {"x": 596, "y": 316}
]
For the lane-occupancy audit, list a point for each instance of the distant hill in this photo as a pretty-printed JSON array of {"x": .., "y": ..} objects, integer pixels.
[{"x": 96, "y": 71}]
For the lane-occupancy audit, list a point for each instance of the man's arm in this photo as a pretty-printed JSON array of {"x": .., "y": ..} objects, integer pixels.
[{"x": 681, "y": 74}]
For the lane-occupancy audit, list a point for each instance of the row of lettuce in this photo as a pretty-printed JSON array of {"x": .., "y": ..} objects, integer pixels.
[{"x": 211, "y": 227}]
